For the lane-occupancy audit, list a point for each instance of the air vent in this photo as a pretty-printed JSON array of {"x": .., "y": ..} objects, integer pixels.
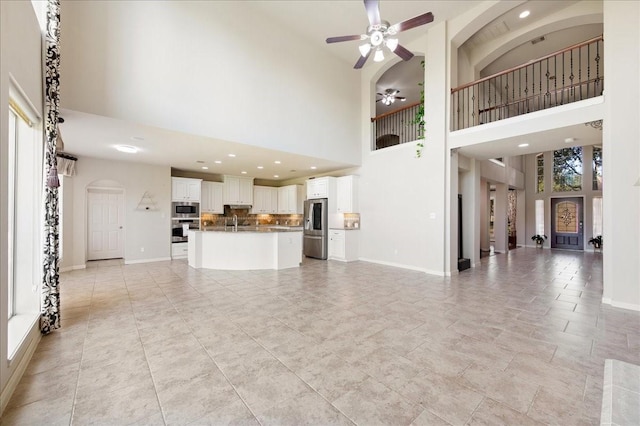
[{"x": 537, "y": 40}]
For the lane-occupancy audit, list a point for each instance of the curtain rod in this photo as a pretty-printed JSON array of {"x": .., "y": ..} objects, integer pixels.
[{"x": 67, "y": 156}]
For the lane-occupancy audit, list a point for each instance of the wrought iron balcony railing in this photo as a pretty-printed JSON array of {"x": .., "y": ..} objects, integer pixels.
[
  {"x": 395, "y": 127},
  {"x": 569, "y": 75}
]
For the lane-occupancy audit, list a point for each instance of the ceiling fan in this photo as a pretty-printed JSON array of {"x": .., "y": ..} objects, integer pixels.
[
  {"x": 389, "y": 97},
  {"x": 380, "y": 33}
]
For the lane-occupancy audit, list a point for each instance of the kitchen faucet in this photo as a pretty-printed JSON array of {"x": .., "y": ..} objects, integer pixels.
[{"x": 235, "y": 222}]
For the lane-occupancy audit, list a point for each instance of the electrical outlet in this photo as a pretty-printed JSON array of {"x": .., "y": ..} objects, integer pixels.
[{"x": 141, "y": 249}]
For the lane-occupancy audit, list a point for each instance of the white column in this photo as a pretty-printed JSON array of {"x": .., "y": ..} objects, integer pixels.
[{"x": 621, "y": 154}]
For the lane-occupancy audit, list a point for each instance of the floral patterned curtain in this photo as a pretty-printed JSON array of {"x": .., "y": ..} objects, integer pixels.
[{"x": 50, "y": 310}]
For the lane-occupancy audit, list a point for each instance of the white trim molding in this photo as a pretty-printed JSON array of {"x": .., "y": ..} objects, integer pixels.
[
  {"x": 158, "y": 259},
  {"x": 400, "y": 265}
]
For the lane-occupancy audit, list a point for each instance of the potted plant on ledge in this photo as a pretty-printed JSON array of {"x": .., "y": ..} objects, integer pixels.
[
  {"x": 596, "y": 241},
  {"x": 539, "y": 239}
]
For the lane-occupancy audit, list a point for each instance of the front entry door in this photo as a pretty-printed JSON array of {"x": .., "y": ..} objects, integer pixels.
[
  {"x": 567, "y": 223},
  {"x": 105, "y": 223}
]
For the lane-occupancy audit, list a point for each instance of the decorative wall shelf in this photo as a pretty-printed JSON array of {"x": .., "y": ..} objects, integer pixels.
[{"x": 147, "y": 203}]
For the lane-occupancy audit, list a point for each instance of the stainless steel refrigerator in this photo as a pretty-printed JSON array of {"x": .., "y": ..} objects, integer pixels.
[{"x": 316, "y": 228}]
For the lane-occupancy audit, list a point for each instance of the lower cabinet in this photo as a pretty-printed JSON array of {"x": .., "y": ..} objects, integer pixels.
[
  {"x": 343, "y": 245},
  {"x": 179, "y": 250}
]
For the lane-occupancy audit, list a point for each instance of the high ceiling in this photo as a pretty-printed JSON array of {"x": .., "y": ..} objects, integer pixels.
[{"x": 312, "y": 22}]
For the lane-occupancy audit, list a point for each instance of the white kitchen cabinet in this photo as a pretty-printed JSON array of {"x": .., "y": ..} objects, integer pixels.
[
  {"x": 343, "y": 245},
  {"x": 238, "y": 190},
  {"x": 212, "y": 197},
  {"x": 322, "y": 187},
  {"x": 347, "y": 194},
  {"x": 179, "y": 250},
  {"x": 185, "y": 189},
  {"x": 265, "y": 200},
  {"x": 291, "y": 199}
]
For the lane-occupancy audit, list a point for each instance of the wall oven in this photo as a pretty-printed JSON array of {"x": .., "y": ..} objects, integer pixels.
[
  {"x": 180, "y": 227},
  {"x": 185, "y": 210}
]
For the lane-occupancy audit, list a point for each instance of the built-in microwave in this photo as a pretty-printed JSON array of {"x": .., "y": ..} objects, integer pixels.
[{"x": 185, "y": 210}]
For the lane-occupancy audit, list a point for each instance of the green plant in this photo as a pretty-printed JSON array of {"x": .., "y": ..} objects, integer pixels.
[
  {"x": 596, "y": 241},
  {"x": 419, "y": 119},
  {"x": 539, "y": 239}
]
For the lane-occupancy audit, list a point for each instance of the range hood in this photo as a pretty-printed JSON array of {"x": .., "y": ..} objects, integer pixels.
[{"x": 238, "y": 206}]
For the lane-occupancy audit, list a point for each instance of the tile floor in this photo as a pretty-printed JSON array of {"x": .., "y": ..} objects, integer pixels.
[{"x": 520, "y": 340}]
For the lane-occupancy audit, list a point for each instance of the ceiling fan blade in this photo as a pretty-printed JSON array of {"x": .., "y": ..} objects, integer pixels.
[
  {"x": 378, "y": 100},
  {"x": 403, "y": 53},
  {"x": 401, "y": 98},
  {"x": 343, "y": 38},
  {"x": 373, "y": 11},
  {"x": 361, "y": 61},
  {"x": 414, "y": 22}
]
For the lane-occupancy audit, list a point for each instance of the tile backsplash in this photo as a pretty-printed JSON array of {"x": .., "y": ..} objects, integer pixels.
[{"x": 246, "y": 218}]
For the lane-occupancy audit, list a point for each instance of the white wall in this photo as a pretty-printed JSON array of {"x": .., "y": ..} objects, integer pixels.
[
  {"x": 210, "y": 68},
  {"x": 20, "y": 57},
  {"x": 621, "y": 154},
  {"x": 143, "y": 229}
]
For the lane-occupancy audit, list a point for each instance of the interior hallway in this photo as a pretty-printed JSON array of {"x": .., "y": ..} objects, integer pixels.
[{"x": 520, "y": 340}]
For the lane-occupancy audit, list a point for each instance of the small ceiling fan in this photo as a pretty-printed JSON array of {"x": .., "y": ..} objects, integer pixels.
[
  {"x": 389, "y": 97},
  {"x": 379, "y": 33}
]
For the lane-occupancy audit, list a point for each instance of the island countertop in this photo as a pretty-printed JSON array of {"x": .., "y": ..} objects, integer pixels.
[
  {"x": 240, "y": 228},
  {"x": 248, "y": 248}
]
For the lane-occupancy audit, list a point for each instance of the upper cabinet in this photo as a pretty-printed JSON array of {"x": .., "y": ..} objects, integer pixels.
[
  {"x": 322, "y": 187},
  {"x": 212, "y": 197},
  {"x": 238, "y": 190},
  {"x": 291, "y": 199},
  {"x": 347, "y": 194},
  {"x": 265, "y": 200},
  {"x": 185, "y": 189}
]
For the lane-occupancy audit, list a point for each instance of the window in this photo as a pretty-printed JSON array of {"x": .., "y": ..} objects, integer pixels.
[
  {"x": 24, "y": 219},
  {"x": 540, "y": 173},
  {"x": 567, "y": 169},
  {"x": 597, "y": 169},
  {"x": 540, "y": 217},
  {"x": 597, "y": 216}
]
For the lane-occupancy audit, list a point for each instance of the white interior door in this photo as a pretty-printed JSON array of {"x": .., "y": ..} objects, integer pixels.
[{"x": 105, "y": 212}]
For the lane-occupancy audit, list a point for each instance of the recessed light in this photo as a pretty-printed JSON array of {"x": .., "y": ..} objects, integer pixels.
[
  {"x": 218, "y": 162},
  {"x": 232, "y": 155},
  {"x": 276, "y": 176},
  {"x": 313, "y": 167},
  {"x": 243, "y": 172},
  {"x": 205, "y": 168},
  {"x": 523, "y": 145},
  {"x": 260, "y": 167},
  {"x": 137, "y": 138},
  {"x": 569, "y": 140},
  {"x": 524, "y": 14},
  {"x": 277, "y": 162},
  {"x": 126, "y": 148}
]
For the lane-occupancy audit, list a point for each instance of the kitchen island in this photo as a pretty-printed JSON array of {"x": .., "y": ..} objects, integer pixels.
[{"x": 245, "y": 248}]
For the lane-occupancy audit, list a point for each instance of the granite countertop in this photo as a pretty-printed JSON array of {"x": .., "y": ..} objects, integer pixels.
[{"x": 263, "y": 228}]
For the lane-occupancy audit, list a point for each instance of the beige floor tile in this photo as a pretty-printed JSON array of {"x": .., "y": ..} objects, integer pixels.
[
  {"x": 524, "y": 333},
  {"x": 492, "y": 413},
  {"x": 427, "y": 418},
  {"x": 505, "y": 387},
  {"x": 444, "y": 396},
  {"x": 372, "y": 403}
]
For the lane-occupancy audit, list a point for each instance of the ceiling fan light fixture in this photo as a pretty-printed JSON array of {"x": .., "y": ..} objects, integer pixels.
[
  {"x": 379, "y": 56},
  {"x": 364, "y": 49},
  {"x": 377, "y": 38},
  {"x": 392, "y": 43}
]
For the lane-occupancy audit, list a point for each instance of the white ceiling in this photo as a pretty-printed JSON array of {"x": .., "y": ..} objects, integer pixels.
[{"x": 312, "y": 21}]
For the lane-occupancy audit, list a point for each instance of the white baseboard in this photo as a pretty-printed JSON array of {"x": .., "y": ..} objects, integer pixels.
[
  {"x": 8, "y": 390},
  {"x": 623, "y": 305},
  {"x": 157, "y": 259},
  {"x": 403, "y": 266},
  {"x": 73, "y": 268},
  {"x": 606, "y": 300}
]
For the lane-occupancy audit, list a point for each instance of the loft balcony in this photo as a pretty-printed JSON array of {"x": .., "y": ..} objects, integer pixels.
[{"x": 572, "y": 74}]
